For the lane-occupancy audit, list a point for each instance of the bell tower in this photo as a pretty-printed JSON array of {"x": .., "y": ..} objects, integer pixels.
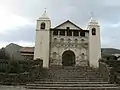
[
  {"x": 94, "y": 43},
  {"x": 42, "y": 39}
]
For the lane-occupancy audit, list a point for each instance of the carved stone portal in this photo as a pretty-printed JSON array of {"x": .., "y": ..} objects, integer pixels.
[{"x": 68, "y": 58}]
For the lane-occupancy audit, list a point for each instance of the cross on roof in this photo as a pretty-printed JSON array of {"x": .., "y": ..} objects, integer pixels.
[{"x": 92, "y": 15}]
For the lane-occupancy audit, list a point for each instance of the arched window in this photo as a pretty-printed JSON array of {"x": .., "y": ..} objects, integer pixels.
[
  {"x": 62, "y": 33},
  {"x": 69, "y": 33},
  {"x": 55, "y": 32},
  {"x": 43, "y": 25},
  {"x": 82, "y": 33},
  {"x": 75, "y": 33},
  {"x": 93, "y": 31}
]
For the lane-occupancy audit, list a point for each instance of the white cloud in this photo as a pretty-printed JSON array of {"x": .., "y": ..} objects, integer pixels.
[
  {"x": 21, "y": 43},
  {"x": 112, "y": 25},
  {"x": 10, "y": 21},
  {"x": 112, "y": 3},
  {"x": 3, "y": 44},
  {"x": 25, "y": 43}
]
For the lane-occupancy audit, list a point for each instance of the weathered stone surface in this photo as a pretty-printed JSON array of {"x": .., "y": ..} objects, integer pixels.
[{"x": 71, "y": 78}]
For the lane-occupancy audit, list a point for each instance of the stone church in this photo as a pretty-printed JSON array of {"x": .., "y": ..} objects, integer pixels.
[{"x": 67, "y": 44}]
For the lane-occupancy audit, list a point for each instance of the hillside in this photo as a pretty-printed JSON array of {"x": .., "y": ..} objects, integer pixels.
[{"x": 110, "y": 51}]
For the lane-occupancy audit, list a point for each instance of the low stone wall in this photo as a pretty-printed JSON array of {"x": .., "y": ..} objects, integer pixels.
[
  {"x": 14, "y": 79},
  {"x": 35, "y": 71},
  {"x": 104, "y": 70},
  {"x": 107, "y": 72},
  {"x": 22, "y": 78}
]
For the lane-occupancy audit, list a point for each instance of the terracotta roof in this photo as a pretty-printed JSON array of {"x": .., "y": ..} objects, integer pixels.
[
  {"x": 25, "y": 54},
  {"x": 27, "y": 49}
]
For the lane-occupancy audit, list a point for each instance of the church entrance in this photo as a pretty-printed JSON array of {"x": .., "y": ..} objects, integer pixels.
[{"x": 68, "y": 58}]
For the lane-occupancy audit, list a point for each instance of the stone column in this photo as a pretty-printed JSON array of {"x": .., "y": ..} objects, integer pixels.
[
  {"x": 72, "y": 33},
  {"x": 77, "y": 61},
  {"x": 58, "y": 33},
  {"x": 65, "y": 33}
]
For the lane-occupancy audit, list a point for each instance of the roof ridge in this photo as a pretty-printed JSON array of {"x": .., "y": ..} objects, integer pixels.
[{"x": 66, "y": 22}]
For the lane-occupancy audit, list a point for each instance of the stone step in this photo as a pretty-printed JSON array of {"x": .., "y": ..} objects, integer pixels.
[
  {"x": 79, "y": 72},
  {"x": 39, "y": 82},
  {"x": 72, "y": 85},
  {"x": 64, "y": 80},
  {"x": 65, "y": 68},
  {"x": 62, "y": 70},
  {"x": 72, "y": 78},
  {"x": 69, "y": 67},
  {"x": 61, "y": 78},
  {"x": 73, "y": 88},
  {"x": 74, "y": 75},
  {"x": 67, "y": 71}
]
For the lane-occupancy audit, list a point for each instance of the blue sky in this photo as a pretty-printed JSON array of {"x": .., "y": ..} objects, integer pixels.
[{"x": 18, "y": 18}]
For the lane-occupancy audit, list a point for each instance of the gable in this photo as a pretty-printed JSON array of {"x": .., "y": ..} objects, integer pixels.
[{"x": 68, "y": 24}]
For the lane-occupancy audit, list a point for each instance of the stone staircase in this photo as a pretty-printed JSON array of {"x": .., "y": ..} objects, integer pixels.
[{"x": 71, "y": 78}]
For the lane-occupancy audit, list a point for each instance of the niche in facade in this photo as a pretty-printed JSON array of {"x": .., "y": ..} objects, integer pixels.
[
  {"x": 43, "y": 25},
  {"x": 55, "y": 32},
  {"x": 93, "y": 31},
  {"x": 76, "y": 40},
  {"x": 62, "y": 33},
  {"x": 69, "y": 33},
  {"x": 67, "y": 27},
  {"x": 75, "y": 33},
  {"x": 82, "y": 34}
]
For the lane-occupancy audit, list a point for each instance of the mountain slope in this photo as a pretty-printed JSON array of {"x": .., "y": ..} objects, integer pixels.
[{"x": 110, "y": 51}]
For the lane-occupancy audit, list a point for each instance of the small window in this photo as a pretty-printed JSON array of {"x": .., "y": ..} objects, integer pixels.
[
  {"x": 67, "y": 27},
  {"x": 55, "y": 32},
  {"x": 69, "y": 40},
  {"x": 62, "y": 39},
  {"x": 62, "y": 33},
  {"x": 43, "y": 25},
  {"x": 55, "y": 39},
  {"x": 69, "y": 33},
  {"x": 82, "y": 34},
  {"x": 93, "y": 31},
  {"x": 76, "y": 41},
  {"x": 82, "y": 40},
  {"x": 76, "y": 33},
  {"x": 83, "y": 54}
]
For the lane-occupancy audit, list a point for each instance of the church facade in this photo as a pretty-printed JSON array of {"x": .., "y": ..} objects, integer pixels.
[{"x": 67, "y": 44}]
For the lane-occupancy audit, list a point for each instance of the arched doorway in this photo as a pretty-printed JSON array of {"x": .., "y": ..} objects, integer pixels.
[{"x": 68, "y": 58}]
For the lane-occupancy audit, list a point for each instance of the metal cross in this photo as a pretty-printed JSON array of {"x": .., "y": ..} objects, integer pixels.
[
  {"x": 45, "y": 9},
  {"x": 92, "y": 15}
]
